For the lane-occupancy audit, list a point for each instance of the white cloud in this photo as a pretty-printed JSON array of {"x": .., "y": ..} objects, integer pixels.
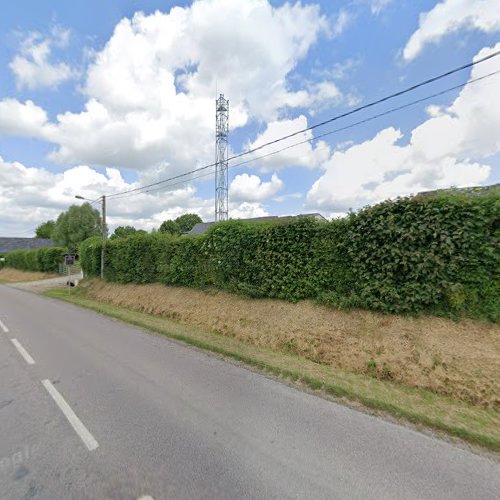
[
  {"x": 450, "y": 16},
  {"x": 288, "y": 196},
  {"x": 446, "y": 150},
  {"x": 30, "y": 196},
  {"x": 342, "y": 21},
  {"x": 247, "y": 210},
  {"x": 151, "y": 88},
  {"x": 304, "y": 155},
  {"x": 23, "y": 119},
  {"x": 379, "y": 5},
  {"x": 33, "y": 68},
  {"x": 252, "y": 188}
]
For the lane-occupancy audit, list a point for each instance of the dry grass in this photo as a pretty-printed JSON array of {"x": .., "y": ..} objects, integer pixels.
[
  {"x": 457, "y": 359},
  {"x": 10, "y": 275}
]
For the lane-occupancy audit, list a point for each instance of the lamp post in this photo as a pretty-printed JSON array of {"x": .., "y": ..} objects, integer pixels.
[{"x": 104, "y": 229}]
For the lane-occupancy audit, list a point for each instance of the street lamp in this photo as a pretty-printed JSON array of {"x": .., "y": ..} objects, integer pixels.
[{"x": 104, "y": 230}]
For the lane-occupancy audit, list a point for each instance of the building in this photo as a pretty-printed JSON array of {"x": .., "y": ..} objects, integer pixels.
[
  {"x": 203, "y": 227},
  {"x": 10, "y": 244}
]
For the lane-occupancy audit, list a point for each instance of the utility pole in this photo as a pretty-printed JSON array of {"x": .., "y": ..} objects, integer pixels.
[
  {"x": 221, "y": 163},
  {"x": 104, "y": 227},
  {"x": 104, "y": 231}
]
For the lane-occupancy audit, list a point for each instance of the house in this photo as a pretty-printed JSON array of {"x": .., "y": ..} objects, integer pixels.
[
  {"x": 202, "y": 227},
  {"x": 10, "y": 244}
]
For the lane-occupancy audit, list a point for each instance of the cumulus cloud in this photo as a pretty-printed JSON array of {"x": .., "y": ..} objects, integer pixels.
[
  {"x": 447, "y": 149},
  {"x": 23, "y": 119},
  {"x": 33, "y": 67},
  {"x": 305, "y": 155},
  {"x": 450, "y": 16},
  {"x": 252, "y": 188},
  {"x": 29, "y": 196},
  {"x": 247, "y": 210},
  {"x": 151, "y": 88}
]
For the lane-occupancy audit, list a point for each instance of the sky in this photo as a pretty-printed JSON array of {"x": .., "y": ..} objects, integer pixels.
[{"x": 104, "y": 97}]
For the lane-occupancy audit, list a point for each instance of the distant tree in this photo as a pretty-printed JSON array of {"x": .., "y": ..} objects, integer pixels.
[
  {"x": 78, "y": 223},
  {"x": 126, "y": 231},
  {"x": 45, "y": 229},
  {"x": 186, "y": 222},
  {"x": 170, "y": 227}
]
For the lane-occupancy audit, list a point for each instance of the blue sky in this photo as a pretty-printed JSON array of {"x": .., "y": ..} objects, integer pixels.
[{"x": 96, "y": 98}]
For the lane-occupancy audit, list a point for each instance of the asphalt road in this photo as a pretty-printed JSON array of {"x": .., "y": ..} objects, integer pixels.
[{"x": 92, "y": 408}]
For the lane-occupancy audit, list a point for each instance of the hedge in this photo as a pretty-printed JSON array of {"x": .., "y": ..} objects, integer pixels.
[
  {"x": 45, "y": 260},
  {"x": 437, "y": 254}
]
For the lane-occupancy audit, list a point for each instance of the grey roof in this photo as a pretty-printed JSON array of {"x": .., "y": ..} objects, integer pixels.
[
  {"x": 202, "y": 227},
  {"x": 9, "y": 244}
]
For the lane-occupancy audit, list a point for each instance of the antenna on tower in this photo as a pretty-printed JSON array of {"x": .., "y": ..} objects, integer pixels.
[{"x": 221, "y": 146}]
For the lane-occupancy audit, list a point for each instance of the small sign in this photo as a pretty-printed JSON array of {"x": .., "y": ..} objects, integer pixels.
[{"x": 69, "y": 260}]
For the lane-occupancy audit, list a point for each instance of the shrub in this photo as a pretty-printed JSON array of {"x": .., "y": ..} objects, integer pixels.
[
  {"x": 45, "y": 260},
  {"x": 433, "y": 253}
]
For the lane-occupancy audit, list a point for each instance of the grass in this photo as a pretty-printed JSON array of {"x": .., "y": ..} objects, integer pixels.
[
  {"x": 474, "y": 424},
  {"x": 10, "y": 275}
]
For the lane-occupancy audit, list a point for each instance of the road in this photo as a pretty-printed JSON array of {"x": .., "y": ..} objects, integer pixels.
[{"x": 91, "y": 408}]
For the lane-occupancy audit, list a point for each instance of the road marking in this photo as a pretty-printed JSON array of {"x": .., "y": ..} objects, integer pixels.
[
  {"x": 145, "y": 497},
  {"x": 23, "y": 352},
  {"x": 75, "y": 422},
  {"x": 3, "y": 327}
]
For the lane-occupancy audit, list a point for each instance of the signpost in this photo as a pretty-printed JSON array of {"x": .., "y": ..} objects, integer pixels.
[{"x": 69, "y": 260}]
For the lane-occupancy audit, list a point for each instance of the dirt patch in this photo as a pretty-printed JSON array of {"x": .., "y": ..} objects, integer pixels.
[
  {"x": 459, "y": 359},
  {"x": 9, "y": 275}
]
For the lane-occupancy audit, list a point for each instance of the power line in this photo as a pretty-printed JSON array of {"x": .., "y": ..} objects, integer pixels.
[
  {"x": 330, "y": 132},
  {"x": 320, "y": 124}
]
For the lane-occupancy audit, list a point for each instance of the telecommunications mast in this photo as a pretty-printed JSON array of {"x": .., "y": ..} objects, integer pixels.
[{"x": 221, "y": 155}]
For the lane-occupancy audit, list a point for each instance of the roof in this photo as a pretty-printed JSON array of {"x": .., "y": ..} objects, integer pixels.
[
  {"x": 202, "y": 227},
  {"x": 10, "y": 244}
]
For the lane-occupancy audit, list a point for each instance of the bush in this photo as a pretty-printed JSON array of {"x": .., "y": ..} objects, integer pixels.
[
  {"x": 433, "y": 253},
  {"x": 45, "y": 260}
]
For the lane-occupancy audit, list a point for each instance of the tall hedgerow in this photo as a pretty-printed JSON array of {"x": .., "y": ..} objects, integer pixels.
[
  {"x": 45, "y": 260},
  {"x": 436, "y": 253}
]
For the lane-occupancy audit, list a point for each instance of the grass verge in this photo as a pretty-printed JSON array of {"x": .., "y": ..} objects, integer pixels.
[
  {"x": 10, "y": 275},
  {"x": 476, "y": 425}
]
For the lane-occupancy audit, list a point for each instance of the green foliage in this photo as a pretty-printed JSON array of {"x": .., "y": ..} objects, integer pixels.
[
  {"x": 186, "y": 222},
  {"x": 436, "y": 254},
  {"x": 75, "y": 225},
  {"x": 126, "y": 231},
  {"x": 45, "y": 260},
  {"x": 169, "y": 227},
  {"x": 181, "y": 225},
  {"x": 45, "y": 229}
]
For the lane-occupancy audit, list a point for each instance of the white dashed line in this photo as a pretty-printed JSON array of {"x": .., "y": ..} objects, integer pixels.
[
  {"x": 23, "y": 352},
  {"x": 3, "y": 327},
  {"x": 145, "y": 497},
  {"x": 75, "y": 422}
]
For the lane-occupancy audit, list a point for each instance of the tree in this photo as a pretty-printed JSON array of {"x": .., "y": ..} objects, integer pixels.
[
  {"x": 78, "y": 223},
  {"x": 186, "y": 222},
  {"x": 45, "y": 229},
  {"x": 170, "y": 227},
  {"x": 126, "y": 231},
  {"x": 183, "y": 224}
]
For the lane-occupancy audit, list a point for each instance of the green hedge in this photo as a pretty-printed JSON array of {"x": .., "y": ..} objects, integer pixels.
[
  {"x": 437, "y": 254},
  {"x": 45, "y": 260}
]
